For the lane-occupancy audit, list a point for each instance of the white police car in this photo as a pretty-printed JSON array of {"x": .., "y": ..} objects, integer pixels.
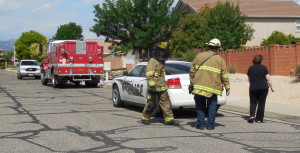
[{"x": 132, "y": 87}]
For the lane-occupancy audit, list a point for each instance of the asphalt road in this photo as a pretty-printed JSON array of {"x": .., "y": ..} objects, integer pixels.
[{"x": 37, "y": 119}]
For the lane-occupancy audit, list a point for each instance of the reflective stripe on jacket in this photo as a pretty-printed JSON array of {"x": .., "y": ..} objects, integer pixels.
[
  {"x": 209, "y": 78},
  {"x": 155, "y": 75}
]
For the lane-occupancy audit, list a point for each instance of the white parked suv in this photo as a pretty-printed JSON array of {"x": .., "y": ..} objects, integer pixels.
[{"x": 29, "y": 68}]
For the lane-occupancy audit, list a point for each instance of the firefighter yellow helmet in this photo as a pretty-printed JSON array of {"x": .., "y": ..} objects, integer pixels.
[
  {"x": 161, "y": 47},
  {"x": 214, "y": 42}
]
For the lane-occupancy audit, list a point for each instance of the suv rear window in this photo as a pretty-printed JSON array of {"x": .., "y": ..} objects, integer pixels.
[
  {"x": 29, "y": 63},
  {"x": 178, "y": 68}
]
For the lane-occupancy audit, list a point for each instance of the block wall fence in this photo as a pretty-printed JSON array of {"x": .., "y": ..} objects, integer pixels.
[{"x": 278, "y": 59}]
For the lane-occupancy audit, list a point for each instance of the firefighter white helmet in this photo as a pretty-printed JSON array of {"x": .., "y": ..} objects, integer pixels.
[{"x": 214, "y": 42}]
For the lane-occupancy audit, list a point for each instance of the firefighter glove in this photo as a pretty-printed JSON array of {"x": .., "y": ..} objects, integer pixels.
[
  {"x": 152, "y": 89},
  {"x": 191, "y": 88}
]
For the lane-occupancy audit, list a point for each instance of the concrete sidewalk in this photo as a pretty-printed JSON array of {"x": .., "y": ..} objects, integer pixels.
[{"x": 284, "y": 112}]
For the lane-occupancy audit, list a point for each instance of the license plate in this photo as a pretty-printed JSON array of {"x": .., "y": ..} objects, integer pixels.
[{"x": 30, "y": 74}]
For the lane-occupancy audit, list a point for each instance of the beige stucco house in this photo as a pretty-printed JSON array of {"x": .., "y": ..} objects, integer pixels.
[{"x": 265, "y": 16}]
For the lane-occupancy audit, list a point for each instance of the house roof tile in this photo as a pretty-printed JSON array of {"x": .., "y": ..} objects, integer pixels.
[{"x": 256, "y": 7}]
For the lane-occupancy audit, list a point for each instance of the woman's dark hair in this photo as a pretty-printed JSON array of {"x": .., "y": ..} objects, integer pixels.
[{"x": 257, "y": 59}]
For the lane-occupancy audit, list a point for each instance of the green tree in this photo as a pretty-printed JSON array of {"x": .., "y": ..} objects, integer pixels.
[
  {"x": 23, "y": 43},
  {"x": 276, "y": 37},
  {"x": 35, "y": 52},
  {"x": 191, "y": 32},
  {"x": 224, "y": 21},
  {"x": 69, "y": 31},
  {"x": 7, "y": 55},
  {"x": 135, "y": 24}
]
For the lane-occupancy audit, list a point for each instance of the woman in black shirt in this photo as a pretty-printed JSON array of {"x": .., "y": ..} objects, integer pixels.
[{"x": 259, "y": 79}]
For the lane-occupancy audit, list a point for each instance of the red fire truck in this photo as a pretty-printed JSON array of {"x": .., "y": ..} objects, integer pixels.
[{"x": 73, "y": 61}]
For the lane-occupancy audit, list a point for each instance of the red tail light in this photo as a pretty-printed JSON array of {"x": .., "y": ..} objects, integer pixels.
[{"x": 174, "y": 83}]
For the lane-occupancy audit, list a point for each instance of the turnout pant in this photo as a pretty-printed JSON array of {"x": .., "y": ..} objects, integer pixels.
[{"x": 161, "y": 98}]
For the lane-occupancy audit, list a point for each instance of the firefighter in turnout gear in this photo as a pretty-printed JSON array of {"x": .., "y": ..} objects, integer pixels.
[
  {"x": 157, "y": 86},
  {"x": 208, "y": 76}
]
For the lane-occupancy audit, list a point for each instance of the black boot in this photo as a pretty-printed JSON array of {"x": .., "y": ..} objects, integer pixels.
[
  {"x": 172, "y": 122},
  {"x": 146, "y": 122}
]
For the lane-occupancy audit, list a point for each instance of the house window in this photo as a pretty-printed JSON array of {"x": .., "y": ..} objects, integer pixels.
[{"x": 297, "y": 25}]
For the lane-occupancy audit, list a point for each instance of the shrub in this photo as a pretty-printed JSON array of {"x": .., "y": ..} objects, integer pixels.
[
  {"x": 293, "y": 39},
  {"x": 189, "y": 56},
  {"x": 12, "y": 67},
  {"x": 2, "y": 65},
  {"x": 276, "y": 38},
  {"x": 232, "y": 69},
  {"x": 297, "y": 72}
]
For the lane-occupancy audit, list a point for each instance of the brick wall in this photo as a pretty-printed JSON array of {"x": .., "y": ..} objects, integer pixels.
[{"x": 278, "y": 59}]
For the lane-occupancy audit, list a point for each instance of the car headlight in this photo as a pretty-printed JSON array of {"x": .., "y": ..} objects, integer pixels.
[{"x": 22, "y": 69}]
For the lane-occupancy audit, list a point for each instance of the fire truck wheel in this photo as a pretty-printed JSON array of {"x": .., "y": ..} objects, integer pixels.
[
  {"x": 117, "y": 102},
  {"x": 77, "y": 83},
  {"x": 43, "y": 79},
  {"x": 88, "y": 84},
  {"x": 54, "y": 81}
]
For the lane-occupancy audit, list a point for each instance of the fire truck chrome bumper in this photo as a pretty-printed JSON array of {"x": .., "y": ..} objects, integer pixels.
[{"x": 80, "y": 75}]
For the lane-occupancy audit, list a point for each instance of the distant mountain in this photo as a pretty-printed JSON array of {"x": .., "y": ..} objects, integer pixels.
[{"x": 8, "y": 44}]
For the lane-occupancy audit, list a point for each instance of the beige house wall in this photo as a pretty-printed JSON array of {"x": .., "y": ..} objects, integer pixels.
[{"x": 264, "y": 27}]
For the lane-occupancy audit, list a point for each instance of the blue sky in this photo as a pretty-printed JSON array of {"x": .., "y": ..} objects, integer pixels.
[{"x": 45, "y": 16}]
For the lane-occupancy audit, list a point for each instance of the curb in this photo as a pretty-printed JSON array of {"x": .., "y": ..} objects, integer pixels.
[{"x": 273, "y": 110}]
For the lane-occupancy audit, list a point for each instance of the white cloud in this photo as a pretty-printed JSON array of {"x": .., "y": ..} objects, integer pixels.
[
  {"x": 44, "y": 7},
  {"x": 10, "y": 5}
]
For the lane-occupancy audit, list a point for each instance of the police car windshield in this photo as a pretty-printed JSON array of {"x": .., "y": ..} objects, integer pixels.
[
  {"x": 178, "y": 68},
  {"x": 29, "y": 63}
]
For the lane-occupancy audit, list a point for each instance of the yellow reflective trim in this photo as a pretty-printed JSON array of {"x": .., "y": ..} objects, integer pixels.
[
  {"x": 149, "y": 73},
  {"x": 208, "y": 89},
  {"x": 168, "y": 119},
  {"x": 227, "y": 86},
  {"x": 210, "y": 69},
  {"x": 164, "y": 88},
  {"x": 151, "y": 83},
  {"x": 225, "y": 76},
  {"x": 145, "y": 118}
]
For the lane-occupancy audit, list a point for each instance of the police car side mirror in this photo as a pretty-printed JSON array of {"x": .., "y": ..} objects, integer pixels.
[{"x": 125, "y": 73}]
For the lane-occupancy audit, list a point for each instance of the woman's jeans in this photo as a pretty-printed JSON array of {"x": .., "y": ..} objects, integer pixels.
[
  {"x": 201, "y": 103},
  {"x": 258, "y": 98}
]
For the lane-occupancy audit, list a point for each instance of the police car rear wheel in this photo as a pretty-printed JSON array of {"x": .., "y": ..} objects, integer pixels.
[{"x": 117, "y": 102}]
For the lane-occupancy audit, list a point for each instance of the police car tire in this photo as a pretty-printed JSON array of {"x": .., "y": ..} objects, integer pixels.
[{"x": 117, "y": 102}]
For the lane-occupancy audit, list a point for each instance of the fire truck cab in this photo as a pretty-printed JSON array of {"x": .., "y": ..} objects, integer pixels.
[{"x": 72, "y": 61}]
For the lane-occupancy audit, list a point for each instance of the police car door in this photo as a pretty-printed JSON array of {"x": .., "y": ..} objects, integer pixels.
[{"x": 134, "y": 85}]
